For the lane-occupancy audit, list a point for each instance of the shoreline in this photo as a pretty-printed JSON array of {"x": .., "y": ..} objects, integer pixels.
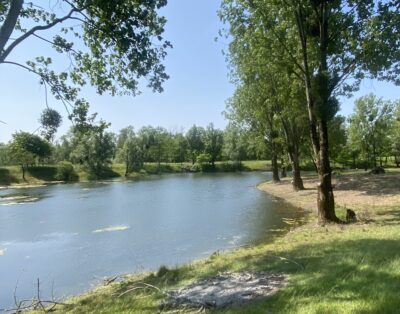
[
  {"x": 45, "y": 175},
  {"x": 344, "y": 260}
]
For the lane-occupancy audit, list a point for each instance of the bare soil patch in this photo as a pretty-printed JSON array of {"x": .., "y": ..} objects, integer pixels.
[{"x": 227, "y": 289}]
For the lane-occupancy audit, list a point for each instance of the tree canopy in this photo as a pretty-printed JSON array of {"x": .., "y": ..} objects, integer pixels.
[
  {"x": 327, "y": 47},
  {"x": 113, "y": 45}
]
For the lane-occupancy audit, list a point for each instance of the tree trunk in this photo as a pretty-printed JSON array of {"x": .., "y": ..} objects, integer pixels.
[
  {"x": 23, "y": 172},
  {"x": 9, "y": 24},
  {"x": 297, "y": 181},
  {"x": 275, "y": 168},
  {"x": 325, "y": 201}
]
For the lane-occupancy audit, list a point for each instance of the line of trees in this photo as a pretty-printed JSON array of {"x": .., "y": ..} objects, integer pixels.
[
  {"x": 290, "y": 60},
  {"x": 370, "y": 135},
  {"x": 90, "y": 144}
]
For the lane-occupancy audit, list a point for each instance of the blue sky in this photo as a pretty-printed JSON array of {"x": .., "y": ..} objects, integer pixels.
[{"x": 195, "y": 93}]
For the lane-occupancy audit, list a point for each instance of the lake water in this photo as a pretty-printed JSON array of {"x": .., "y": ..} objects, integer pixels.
[{"x": 71, "y": 236}]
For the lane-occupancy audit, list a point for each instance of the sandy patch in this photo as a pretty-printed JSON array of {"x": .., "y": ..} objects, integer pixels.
[{"x": 360, "y": 191}]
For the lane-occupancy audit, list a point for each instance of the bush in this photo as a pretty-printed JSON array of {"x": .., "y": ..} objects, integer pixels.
[
  {"x": 195, "y": 168},
  {"x": 65, "y": 171},
  {"x": 203, "y": 158}
]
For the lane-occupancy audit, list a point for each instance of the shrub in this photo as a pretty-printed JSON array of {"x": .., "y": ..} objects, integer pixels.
[
  {"x": 65, "y": 171},
  {"x": 203, "y": 158}
]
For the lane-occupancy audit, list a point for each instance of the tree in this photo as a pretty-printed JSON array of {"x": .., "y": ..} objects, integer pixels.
[
  {"x": 26, "y": 148},
  {"x": 132, "y": 155},
  {"x": 50, "y": 120},
  {"x": 395, "y": 135},
  {"x": 123, "y": 135},
  {"x": 194, "y": 137},
  {"x": 213, "y": 142},
  {"x": 180, "y": 148},
  {"x": 370, "y": 125},
  {"x": 92, "y": 146},
  {"x": 111, "y": 44},
  {"x": 234, "y": 143},
  {"x": 5, "y": 156},
  {"x": 94, "y": 149},
  {"x": 322, "y": 43}
]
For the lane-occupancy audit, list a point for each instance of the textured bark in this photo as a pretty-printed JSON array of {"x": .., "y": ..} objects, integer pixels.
[
  {"x": 325, "y": 201},
  {"x": 275, "y": 168},
  {"x": 297, "y": 181},
  {"x": 9, "y": 24},
  {"x": 292, "y": 146}
]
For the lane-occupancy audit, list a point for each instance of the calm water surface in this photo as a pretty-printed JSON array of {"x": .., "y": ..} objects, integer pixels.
[{"x": 72, "y": 236}]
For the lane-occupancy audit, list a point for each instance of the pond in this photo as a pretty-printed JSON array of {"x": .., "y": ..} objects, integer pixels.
[{"x": 72, "y": 236}]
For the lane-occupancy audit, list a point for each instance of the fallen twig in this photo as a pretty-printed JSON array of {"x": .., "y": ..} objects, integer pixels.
[{"x": 145, "y": 285}]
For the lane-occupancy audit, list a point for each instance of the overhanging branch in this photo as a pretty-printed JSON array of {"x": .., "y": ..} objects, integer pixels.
[{"x": 32, "y": 31}]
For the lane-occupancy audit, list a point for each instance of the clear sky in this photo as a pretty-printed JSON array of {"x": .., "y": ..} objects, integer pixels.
[{"x": 195, "y": 93}]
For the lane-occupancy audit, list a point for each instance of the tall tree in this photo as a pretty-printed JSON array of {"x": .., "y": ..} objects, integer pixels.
[
  {"x": 395, "y": 135},
  {"x": 234, "y": 143},
  {"x": 370, "y": 126},
  {"x": 132, "y": 155},
  {"x": 194, "y": 137},
  {"x": 213, "y": 142}
]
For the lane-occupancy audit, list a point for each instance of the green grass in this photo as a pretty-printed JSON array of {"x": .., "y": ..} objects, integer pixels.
[
  {"x": 34, "y": 175},
  {"x": 257, "y": 165}
]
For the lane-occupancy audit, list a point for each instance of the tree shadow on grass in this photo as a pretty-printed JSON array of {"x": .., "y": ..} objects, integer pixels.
[
  {"x": 44, "y": 173},
  {"x": 6, "y": 178},
  {"x": 347, "y": 276},
  {"x": 363, "y": 275},
  {"x": 384, "y": 184}
]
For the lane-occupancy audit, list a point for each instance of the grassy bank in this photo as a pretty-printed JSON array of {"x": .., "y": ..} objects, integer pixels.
[
  {"x": 12, "y": 175},
  {"x": 353, "y": 268}
]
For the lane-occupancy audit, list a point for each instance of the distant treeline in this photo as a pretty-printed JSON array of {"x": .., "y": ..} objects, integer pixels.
[
  {"x": 370, "y": 136},
  {"x": 89, "y": 144}
]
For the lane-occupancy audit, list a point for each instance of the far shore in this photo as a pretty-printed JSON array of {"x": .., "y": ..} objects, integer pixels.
[{"x": 11, "y": 176}]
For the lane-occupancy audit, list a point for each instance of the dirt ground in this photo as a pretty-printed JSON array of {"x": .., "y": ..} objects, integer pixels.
[{"x": 361, "y": 191}]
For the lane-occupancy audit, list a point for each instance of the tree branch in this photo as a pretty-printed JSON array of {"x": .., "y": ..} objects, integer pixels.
[
  {"x": 63, "y": 100},
  {"x": 32, "y": 32},
  {"x": 9, "y": 23},
  {"x": 55, "y": 44}
]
